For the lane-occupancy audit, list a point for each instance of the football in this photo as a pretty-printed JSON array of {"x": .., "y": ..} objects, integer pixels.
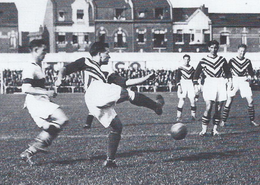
[{"x": 178, "y": 131}]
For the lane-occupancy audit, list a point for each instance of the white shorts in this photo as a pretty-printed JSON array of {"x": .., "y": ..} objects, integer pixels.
[
  {"x": 101, "y": 99},
  {"x": 240, "y": 84},
  {"x": 187, "y": 89},
  {"x": 40, "y": 108},
  {"x": 214, "y": 89}
]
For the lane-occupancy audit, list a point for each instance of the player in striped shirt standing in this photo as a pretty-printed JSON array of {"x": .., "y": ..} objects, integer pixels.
[
  {"x": 101, "y": 97},
  {"x": 217, "y": 73},
  {"x": 242, "y": 73},
  {"x": 184, "y": 80}
]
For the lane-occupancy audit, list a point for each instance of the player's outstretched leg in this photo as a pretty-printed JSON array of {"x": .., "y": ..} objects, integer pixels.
[
  {"x": 114, "y": 138},
  {"x": 50, "y": 131},
  {"x": 89, "y": 121},
  {"x": 144, "y": 101}
]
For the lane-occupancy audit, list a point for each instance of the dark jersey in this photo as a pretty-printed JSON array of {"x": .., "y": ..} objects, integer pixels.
[
  {"x": 184, "y": 72},
  {"x": 212, "y": 67},
  {"x": 93, "y": 71},
  {"x": 241, "y": 67}
]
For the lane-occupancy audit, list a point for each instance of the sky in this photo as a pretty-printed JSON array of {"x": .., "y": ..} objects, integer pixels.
[{"x": 222, "y": 6}]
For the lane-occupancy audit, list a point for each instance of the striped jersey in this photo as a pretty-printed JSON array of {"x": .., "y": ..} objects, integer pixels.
[
  {"x": 185, "y": 72},
  {"x": 93, "y": 71},
  {"x": 214, "y": 67},
  {"x": 241, "y": 67}
]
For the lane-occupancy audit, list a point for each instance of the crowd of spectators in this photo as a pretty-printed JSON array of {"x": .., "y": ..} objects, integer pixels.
[{"x": 165, "y": 80}]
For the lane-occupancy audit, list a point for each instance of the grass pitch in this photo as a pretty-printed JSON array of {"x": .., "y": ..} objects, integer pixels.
[{"x": 146, "y": 155}]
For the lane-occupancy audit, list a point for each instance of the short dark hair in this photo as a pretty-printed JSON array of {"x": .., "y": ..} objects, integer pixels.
[
  {"x": 242, "y": 46},
  {"x": 97, "y": 47},
  {"x": 36, "y": 43},
  {"x": 186, "y": 55},
  {"x": 212, "y": 42}
]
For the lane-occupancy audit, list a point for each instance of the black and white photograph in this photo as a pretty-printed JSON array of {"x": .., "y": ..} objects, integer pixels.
[{"x": 130, "y": 92}]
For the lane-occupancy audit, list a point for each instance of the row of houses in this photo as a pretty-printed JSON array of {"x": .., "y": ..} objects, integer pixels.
[{"x": 129, "y": 26}]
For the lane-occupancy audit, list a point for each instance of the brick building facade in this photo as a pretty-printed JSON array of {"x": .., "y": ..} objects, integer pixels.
[
  {"x": 131, "y": 26},
  {"x": 8, "y": 28}
]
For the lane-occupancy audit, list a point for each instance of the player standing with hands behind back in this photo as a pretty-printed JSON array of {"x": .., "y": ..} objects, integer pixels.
[
  {"x": 242, "y": 73},
  {"x": 216, "y": 71},
  {"x": 47, "y": 115},
  {"x": 184, "y": 80}
]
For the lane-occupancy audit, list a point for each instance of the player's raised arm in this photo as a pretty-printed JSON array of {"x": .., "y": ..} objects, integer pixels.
[
  {"x": 75, "y": 66},
  {"x": 137, "y": 81}
]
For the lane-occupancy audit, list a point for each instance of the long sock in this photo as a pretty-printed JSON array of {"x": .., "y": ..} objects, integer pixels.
[
  {"x": 205, "y": 123},
  {"x": 179, "y": 112},
  {"x": 89, "y": 119},
  {"x": 225, "y": 113},
  {"x": 42, "y": 141},
  {"x": 205, "y": 120},
  {"x": 144, "y": 101},
  {"x": 113, "y": 142},
  {"x": 216, "y": 119},
  {"x": 251, "y": 112},
  {"x": 193, "y": 111}
]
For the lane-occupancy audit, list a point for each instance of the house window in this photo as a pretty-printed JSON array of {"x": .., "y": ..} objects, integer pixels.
[
  {"x": 192, "y": 36},
  {"x": 119, "y": 14},
  {"x": 206, "y": 36},
  {"x": 159, "y": 40},
  {"x": 179, "y": 36},
  {"x": 74, "y": 39},
  {"x": 223, "y": 39},
  {"x": 80, "y": 14},
  {"x": 102, "y": 37},
  {"x": 86, "y": 38},
  {"x": 61, "y": 15},
  {"x": 61, "y": 39},
  {"x": 120, "y": 39},
  {"x": 159, "y": 13},
  {"x": 140, "y": 38}
]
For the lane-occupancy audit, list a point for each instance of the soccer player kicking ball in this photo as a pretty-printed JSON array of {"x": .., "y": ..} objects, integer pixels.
[
  {"x": 101, "y": 97},
  {"x": 240, "y": 67},
  {"x": 214, "y": 90},
  {"x": 184, "y": 80},
  {"x": 46, "y": 114},
  {"x": 121, "y": 81}
]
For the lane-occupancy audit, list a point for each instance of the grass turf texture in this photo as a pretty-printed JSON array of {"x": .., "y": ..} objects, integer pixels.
[{"x": 146, "y": 155}]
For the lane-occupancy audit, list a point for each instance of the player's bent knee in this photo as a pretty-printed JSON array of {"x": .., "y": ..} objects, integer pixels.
[
  {"x": 53, "y": 129},
  {"x": 60, "y": 117}
]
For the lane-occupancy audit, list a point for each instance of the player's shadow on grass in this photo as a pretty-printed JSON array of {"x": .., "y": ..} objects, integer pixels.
[
  {"x": 208, "y": 155},
  {"x": 150, "y": 123},
  {"x": 64, "y": 162},
  {"x": 132, "y": 153}
]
